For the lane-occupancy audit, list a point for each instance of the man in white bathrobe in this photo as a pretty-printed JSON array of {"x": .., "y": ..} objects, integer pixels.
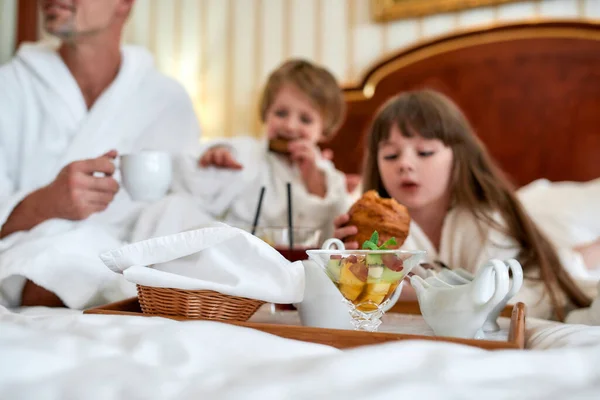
[{"x": 65, "y": 115}]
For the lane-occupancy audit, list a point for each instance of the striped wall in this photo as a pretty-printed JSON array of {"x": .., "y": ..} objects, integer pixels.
[
  {"x": 8, "y": 18},
  {"x": 222, "y": 50}
]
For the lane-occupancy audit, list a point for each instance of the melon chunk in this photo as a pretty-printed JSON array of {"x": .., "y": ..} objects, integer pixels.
[
  {"x": 391, "y": 276},
  {"x": 334, "y": 268}
]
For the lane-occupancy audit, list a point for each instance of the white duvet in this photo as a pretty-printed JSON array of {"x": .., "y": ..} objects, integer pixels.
[{"x": 74, "y": 356}]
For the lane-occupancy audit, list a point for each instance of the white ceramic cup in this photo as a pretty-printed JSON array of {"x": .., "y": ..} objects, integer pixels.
[
  {"x": 323, "y": 305},
  {"x": 146, "y": 175}
]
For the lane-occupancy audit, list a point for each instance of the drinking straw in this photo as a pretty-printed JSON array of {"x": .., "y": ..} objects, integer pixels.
[
  {"x": 290, "y": 223},
  {"x": 258, "y": 207}
]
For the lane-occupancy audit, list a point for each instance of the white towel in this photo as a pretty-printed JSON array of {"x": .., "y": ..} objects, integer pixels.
[{"x": 220, "y": 258}]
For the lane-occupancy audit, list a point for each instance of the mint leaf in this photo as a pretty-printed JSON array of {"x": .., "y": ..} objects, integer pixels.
[
  {"x": 374, "y": 238},
  {"x": 371, "y": 244},
  {"x": 368, "y": 245},
  {"x": 389, "y": 242}
]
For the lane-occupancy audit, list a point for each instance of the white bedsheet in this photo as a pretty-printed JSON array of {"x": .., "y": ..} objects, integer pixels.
[{"x": 72, "y": 356}]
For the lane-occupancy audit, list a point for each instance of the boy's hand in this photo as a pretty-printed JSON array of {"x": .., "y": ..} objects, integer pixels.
[
  {"x": 304, "y": 153},
  {"x": 219, "y": 157}
]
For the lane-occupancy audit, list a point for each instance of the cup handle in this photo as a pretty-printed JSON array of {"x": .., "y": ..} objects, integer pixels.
[
  {"x": 501, "y": 282},
  {"x": 491, "y": 324},
  {"x": 333, "y": 241},
  {"x": 517, "y": 277}
]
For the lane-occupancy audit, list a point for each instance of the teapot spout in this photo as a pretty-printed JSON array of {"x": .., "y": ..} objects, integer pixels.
[{"x": 419, "y": 285}]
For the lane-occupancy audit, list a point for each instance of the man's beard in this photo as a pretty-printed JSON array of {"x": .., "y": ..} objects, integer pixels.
[
  {"x": 65, "y": 29},
  {"x": 68, "y": 31}
]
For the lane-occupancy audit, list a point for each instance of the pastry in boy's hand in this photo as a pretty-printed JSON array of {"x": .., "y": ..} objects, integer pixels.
[
  {"x": 279, "y": 146},
  {"x": 372, "y": 213}
]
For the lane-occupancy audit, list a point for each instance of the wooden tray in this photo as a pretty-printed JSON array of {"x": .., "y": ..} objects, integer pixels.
[{"x": 344, "y": 339}]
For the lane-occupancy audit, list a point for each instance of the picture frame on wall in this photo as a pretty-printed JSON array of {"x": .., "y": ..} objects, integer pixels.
[{"x": 389, "y": 10}]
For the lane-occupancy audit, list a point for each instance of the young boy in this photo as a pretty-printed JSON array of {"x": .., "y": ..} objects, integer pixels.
[{"x": 300, "y": 106}]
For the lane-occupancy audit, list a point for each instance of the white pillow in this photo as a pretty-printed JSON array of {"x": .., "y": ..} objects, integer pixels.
[{"x": 567, "y": 212}]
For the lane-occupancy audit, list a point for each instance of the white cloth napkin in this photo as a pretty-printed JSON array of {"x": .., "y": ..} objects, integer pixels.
[{"x": 220, "y": 258}]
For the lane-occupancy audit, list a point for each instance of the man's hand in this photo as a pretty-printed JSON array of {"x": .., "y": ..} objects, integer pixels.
[
  {"x": 76, "y": 193},
  {"x": 219, "y": 157}
]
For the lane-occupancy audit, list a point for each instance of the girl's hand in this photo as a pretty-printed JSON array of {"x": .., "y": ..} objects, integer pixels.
[
  {"x": 220, "y": 157},
  {"x": 342, "y": 231},
  {"x": 304, "y": 153}
]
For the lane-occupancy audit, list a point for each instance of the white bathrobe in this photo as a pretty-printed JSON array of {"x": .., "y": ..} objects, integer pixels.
[
  {"x": 463, "y": 245},
  {"x": 45, "y": 125},
  {"x": 232, "y": 196}
]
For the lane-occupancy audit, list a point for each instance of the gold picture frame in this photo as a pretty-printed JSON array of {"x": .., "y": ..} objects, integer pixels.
[{"x": 388, "y": 10}]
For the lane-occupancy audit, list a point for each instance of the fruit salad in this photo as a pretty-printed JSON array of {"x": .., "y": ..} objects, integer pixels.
[{"x": 367, "y": 280}]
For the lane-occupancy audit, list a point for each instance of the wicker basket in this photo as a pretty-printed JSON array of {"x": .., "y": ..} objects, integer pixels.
[{"x": 196, "y": 304}]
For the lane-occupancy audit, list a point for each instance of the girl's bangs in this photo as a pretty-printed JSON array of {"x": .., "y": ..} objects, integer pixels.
[
  {"x": 417, "y": 118},
  {"x": 431, "y": 127}
]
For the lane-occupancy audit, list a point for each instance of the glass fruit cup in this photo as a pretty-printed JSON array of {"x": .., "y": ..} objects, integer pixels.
[{"x": 367, "y": 279}]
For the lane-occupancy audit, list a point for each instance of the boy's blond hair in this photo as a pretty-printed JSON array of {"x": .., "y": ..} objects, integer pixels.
[{"x": 317, "y": 83}]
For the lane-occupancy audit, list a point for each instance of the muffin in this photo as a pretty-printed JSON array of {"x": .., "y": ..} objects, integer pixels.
[
  {"x": 386, "y": 216},
  {"x": 279, "y": 146}
]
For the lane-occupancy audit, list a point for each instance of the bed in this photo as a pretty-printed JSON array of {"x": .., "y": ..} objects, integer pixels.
[
  {"x": 530, "y": 90},
  {"x": 73, "y": 356}
]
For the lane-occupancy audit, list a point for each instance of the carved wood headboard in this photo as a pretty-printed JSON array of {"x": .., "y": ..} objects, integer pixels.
[{"x": 531, "y": 92}]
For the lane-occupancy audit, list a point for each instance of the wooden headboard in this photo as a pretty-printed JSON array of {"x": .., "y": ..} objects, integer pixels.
[{"x": 531, "y": 92}]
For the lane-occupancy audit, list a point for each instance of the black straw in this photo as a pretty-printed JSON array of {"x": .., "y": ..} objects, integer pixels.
[
  {"x": 257, "y": 214},
  {"x": 290, "y": 223}
]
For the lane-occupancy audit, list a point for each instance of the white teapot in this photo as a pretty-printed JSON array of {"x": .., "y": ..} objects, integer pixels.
[
  {"x": 460, "y": 276},
  {"x": 461, "y": 310}
]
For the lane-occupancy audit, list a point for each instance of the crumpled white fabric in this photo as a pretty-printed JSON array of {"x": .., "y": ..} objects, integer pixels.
[
  {"x": 232, "y": 195},
  {"x": 220, "y": 258},
  {"x": 114, "y": 357},
  {"x": 588, "y": 315},
  {"x": 567, "y": 212}
]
